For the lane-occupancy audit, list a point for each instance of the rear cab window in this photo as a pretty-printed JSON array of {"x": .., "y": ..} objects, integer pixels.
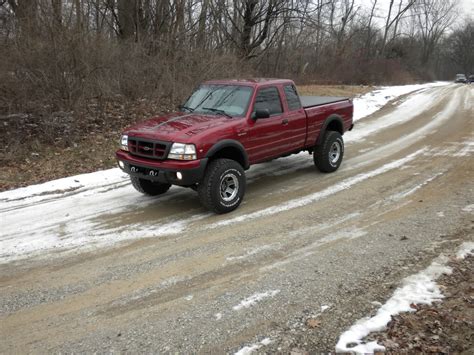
[{"x": 292, "y": 98}]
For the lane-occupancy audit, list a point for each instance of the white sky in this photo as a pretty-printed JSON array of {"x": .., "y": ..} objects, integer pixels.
[{"x": 466, "y": 7}]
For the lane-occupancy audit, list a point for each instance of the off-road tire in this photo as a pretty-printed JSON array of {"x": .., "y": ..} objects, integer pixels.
[
  {"x": 222, "y": 173},
  {"x": 149, "y": 187},
  {"x": 328, "y": 155}
]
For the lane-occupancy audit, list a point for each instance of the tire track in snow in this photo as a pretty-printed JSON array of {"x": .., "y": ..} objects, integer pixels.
[{"x": 317, "y": 196}]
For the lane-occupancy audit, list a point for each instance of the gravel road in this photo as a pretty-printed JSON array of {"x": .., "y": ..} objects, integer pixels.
[{"x": 304, "y": 257}]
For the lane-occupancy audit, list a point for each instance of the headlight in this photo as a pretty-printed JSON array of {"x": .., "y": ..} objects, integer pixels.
[
  {"x": 180, "y": 151},
  {"x": 124, "y": 142}
]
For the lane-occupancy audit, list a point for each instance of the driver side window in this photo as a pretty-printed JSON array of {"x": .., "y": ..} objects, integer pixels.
[{"x": 268, "y": 98}]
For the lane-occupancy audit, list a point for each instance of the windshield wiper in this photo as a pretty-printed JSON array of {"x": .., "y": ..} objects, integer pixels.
[
  {"x": 186, "y": 108},
  {"x": 216, "y": 110}
]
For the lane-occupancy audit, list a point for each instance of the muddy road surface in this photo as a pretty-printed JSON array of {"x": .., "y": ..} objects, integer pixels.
[{"x": 103, "y": 268}]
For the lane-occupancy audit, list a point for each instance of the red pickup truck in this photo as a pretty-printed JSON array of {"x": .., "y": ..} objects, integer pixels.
[{"x": 226, "y": 126}]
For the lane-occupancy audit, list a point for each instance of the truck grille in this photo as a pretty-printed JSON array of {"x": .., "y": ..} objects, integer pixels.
[{"x": 148, "y": 148}]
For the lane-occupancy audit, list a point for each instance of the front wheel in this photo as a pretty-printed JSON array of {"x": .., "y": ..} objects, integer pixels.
[
  {"x": 149, "y": 187},
  {"x": 328, "y": 155},
  {"x": 223, "y": 187}
]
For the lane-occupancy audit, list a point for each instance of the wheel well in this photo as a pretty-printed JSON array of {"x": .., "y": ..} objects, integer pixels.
[
  {"x": 335, "y": 125},
  {"x": 231, "y": 153}
]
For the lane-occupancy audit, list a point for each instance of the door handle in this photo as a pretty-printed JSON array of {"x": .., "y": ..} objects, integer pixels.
[{"x": 285, "y": 122}]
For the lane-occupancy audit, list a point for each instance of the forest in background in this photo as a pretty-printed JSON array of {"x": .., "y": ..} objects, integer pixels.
[
  {"x": 75, "y": 72},
  {"x": 64, "y": 51}
]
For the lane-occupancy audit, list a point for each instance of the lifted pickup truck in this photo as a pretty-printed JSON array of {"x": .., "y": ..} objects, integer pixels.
[{"x": 226, "y": 126}]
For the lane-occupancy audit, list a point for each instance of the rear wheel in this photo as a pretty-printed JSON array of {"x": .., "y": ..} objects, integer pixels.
[
  {"x": 328, "y": 155},
  {"x": 223, "y": 186},
  {"x": 149, "y": 187}
]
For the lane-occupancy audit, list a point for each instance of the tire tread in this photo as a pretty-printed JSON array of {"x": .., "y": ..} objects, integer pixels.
[
  {"x": 205, "y": 190},
  {"x": 320, "y": 155}
]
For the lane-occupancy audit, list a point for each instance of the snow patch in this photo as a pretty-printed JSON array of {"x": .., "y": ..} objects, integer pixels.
[
  {"x": 466, "y": 249},
  {"x": 447, "y": 112},
  {"x": 218, "y": 316},
  {"x": 60, "y": 187},
  {"x": 406, "y": 111},
  {"x": 257, "y": 250},
  {"x": 246, "y": 350},
  {"x": 374, "y": 100},
  {"x": 418, "y": 289},
  {"x": 252, "y": 300},
  {"x": 66, "y": 233},
  {"x": 455, "y": 149},
  {"x": 412, "y": 190},
  {"x": 468, "y": 208}
]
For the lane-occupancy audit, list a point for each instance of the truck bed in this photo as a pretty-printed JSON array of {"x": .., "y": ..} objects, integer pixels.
[{"x": 311, "y": 101}]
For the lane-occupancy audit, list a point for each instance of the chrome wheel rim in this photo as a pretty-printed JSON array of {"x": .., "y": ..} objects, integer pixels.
[
  {"x": 229, "y": 187},
  {"x": 334, "y": 153}
]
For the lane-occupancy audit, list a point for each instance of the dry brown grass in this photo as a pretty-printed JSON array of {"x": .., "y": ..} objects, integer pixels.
[
  {"x": 51, "y": 163},
  {"x": 334, "y": 90}
]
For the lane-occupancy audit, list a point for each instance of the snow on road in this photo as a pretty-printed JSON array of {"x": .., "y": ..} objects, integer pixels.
[
  {"x": 407, "y": 110},
  {"x": 246, "y": 350},
  {"x": 420, "y": 288},
  {"x": 67, "y": 214},
  {"x": 375, "y": 100},
  {"x": 252, "y": 300},
  {"x": 317, "y": 196},
  {"x": 60, "y": 188}
]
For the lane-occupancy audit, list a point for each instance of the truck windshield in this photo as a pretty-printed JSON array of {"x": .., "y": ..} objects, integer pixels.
[{"x": 229, "y": 100}]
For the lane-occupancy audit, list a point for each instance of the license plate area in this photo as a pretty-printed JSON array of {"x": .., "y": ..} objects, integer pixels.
[{"x": 143, "y": 171}]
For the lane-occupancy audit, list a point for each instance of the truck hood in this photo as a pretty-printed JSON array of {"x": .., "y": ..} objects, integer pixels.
[{"x": 176, "y": 126}]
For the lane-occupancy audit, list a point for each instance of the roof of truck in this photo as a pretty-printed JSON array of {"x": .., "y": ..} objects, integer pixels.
[{"x": 250, "y": 82}]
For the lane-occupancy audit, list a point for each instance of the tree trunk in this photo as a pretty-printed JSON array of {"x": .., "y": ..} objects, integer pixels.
[
  {"x": 201, "y": 37},
  {"x": 126, "y": 18},
  {"x": 57, "y": 13},
  {"x": 26, "y": 12}
]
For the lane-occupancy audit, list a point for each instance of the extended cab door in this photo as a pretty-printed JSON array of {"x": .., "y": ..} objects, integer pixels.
[
  {"x": 296, "y": 126},
  {"x": 266, "y": 136}
]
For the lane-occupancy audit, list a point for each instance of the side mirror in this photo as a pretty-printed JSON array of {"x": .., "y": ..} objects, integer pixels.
[{"x": 262, "y": 113}]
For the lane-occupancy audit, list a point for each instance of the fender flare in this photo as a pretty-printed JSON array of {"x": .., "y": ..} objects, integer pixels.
[
  {"x": 327, "y": 122},
  {"x": 229, "y": 143}
]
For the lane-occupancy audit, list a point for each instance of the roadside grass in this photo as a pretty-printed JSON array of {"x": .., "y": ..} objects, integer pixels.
[{"x": 334, "y": 90}]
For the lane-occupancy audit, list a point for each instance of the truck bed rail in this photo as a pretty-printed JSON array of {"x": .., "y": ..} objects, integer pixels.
[{"x": 311, "y": 101}]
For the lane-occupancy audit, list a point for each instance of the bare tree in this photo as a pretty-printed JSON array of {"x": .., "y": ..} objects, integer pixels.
[
  {"x": 342, "y": 14},
  {"x": 395, "y": 20},
  {"x": 432, "y": 19},
  {"x": 460, "y": 49},
  {"x": 250, "y": 23},
  {"x": 26, "y": 12},
  {"x": 126, "y": 18},
  {"x": 201, "y": 36}
]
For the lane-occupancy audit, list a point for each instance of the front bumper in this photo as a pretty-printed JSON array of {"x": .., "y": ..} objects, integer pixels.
[{"x": 164, "y": 171}]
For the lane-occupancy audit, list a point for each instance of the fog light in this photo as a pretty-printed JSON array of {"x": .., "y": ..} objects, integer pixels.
[
  {"x": 121, "y": 164},
  {"x": 179, "y": 176}
]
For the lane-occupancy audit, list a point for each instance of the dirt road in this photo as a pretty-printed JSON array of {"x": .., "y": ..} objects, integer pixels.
[{"x": 107, "y": 269}]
